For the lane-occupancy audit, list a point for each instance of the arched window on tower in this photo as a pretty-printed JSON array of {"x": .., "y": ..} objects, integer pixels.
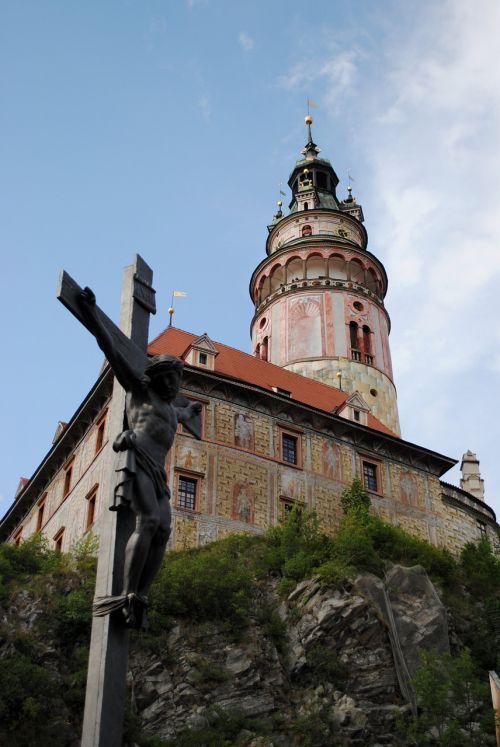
[
  {"x": 257, "y": 351},
  {"x": 264, "y": 349},
  {"x": 355, "y": 351},
  {"x": 306, "y": 206},
  {"x": 367, "y": 345},
  {"x": 306, "y": 230}
]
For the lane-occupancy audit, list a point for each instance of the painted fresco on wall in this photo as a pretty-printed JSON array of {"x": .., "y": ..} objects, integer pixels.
[
  {"x": 207, "y": 533},
  {"x": 408, "y": 489},
  {"x": 291, "y": 485},
  {"x": 188, "y": 457},
  {"x": 243, "y": 502},
  {"x": 332, "y": 461},
  {"x": 243, "y": 431},
  {"x": 304, "y": 328}
]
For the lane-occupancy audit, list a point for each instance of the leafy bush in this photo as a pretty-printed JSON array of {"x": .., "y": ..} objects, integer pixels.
[
  {"x": 27, "y": 559},
  {"x": 453, "y": 701},
  {"x": 207, "y": 583},
  {"x": 394, "y": 544},
  {"x": 325, "y": 666},
  {"x": 355, "y": 500}
]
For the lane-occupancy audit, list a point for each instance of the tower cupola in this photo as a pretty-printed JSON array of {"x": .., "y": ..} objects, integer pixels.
[{"x": 319, "y": 293}]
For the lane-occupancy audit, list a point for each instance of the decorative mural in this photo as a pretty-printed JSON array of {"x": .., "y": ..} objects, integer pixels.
[
  {"x": 244, "y": 431},
  {"x": 304, "y": 327},
  {"x": 408, "y": 489},
  {"x": 292, "y": 486},
  {"x": 189, "y": 458},
  {"x": 332, "y": 462},
  {"x": 207, "y": 533},
  {"x": 243, "y": 502}
]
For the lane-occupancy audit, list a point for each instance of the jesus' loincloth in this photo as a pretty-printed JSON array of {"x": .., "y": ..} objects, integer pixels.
[{"x": 131, "y": 458}]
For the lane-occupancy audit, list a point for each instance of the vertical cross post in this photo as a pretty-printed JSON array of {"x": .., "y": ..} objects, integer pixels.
[{"x": 108, "y": 656}]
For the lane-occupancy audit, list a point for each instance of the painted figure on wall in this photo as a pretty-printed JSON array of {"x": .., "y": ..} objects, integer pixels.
[
  {"x": 331, "y": 461},
  {"x": 291, "y": 487},
  {"x": 408, "y": 489},
  {"x": 243, "y": 502},
  {"x": 243, "y": 431},
  {"x": 304, "y": 328}
]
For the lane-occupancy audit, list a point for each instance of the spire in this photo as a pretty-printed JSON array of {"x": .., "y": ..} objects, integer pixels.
[{"x": 311, "y": 150}]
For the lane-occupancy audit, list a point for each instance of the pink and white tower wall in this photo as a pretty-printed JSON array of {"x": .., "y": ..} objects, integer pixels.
[{"x": 319, "y": 293}]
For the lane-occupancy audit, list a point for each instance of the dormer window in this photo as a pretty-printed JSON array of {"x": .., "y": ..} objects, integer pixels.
[{"x": 202, "y": 352}]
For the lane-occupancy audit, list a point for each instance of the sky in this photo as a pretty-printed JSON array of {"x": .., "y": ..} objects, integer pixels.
[{"x": 165, "y": 128}]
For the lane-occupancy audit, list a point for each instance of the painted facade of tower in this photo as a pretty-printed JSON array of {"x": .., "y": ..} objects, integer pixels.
[{"x": 319, "y": 293}]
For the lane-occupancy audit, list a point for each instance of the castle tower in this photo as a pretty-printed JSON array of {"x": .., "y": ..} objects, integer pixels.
[
  {"x": 319, "y": 293},
  {"x": 470, "y": 479}
]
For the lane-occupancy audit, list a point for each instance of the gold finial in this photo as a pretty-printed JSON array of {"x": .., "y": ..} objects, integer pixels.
[
  {"x": 306, "y": 171},
  {"x": 308, "y": 120},
  {"x": 280, "y": 203},
  {"x": 171, "y": 312}
]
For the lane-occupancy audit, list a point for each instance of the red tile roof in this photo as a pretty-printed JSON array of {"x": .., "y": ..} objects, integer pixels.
[{"x": 244, "y": 367}]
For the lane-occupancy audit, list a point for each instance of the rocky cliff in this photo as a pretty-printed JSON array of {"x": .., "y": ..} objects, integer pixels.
[{"x": 339, "y": 668}]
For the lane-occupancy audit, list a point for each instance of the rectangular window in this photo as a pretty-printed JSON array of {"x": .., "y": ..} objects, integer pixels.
[
  {"x": 91, "y": 503},
  {"x": 482, "y": 528},
  {"x": 41, "y": 512},
  {"x": 99, "y": 438},
  {"x": 58, "y": 540},
  {"x": 370, "y": 477},
  {"x": 186, "y": 493},
  {"x": 357, "y": 416},
  {"x": 18, "y": 537},
  {"x": 68, "y": 473},
  {"x": 202, "y": 358},
  {"x": 289, "y": 452}
]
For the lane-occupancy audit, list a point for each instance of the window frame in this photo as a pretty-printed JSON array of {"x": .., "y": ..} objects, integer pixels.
[
  {"x": 18, "y": 536},
  {"x": 58, "y": 539},
  {"x": 68, "y": 470},
  {"x": 297, "y": 435},
  {"x": 100, "y": 432},
  {"x": 41, "y": 504},
  {"x": 90, "y": 514},
  {"x": 368, "y": 460},
  {"x": 194, "y": 478}
]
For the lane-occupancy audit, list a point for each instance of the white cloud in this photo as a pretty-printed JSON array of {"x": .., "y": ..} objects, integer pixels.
[
  {"x": 205, "y": 108},
  {"x": 245, "y": 41},
  {"x": 335, "y": 74},
  {"x": 425, "y": 108}
]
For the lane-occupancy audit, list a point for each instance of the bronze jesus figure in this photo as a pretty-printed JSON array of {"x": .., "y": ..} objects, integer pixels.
[{"x": 151, "y": 422}]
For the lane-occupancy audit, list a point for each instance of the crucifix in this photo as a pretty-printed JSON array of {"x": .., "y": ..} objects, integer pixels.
[{"x": 143, "y": 415}]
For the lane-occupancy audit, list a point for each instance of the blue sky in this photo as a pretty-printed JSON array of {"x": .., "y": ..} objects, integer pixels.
[{"x": 165, "y": 128}]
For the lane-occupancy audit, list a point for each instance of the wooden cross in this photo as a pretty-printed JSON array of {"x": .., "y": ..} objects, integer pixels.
[{"x": 108, "y": 656}]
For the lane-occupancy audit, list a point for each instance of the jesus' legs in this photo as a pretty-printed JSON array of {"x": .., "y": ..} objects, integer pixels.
[
  {"x": 145, "y": 506},
  {"x": 157, "y": 547}
]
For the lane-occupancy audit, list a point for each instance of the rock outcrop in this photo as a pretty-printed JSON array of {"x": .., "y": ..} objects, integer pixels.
[{"x": 346, "y": 666}]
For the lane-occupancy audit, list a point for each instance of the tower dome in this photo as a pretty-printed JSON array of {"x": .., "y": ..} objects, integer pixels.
[{"x": 319, "y": 293}]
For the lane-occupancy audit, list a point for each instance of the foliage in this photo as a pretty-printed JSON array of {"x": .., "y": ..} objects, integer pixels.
[
  {"x": 355, "y": 500},
  {"x": 30, "y": 558},
  {"x": 453, "y": 702},
  {"x": 213, "y": 582},
  {"x": 273, "y": 626},
  {"x": 311, "y": 728},
  {"x": 299, "y": 545},
  {"x": 221, "y": 730},
  {"x": 325, "y": 666}
]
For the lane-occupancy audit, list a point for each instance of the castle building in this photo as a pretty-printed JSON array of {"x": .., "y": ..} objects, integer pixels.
[{"x": 291, "y": 424}]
